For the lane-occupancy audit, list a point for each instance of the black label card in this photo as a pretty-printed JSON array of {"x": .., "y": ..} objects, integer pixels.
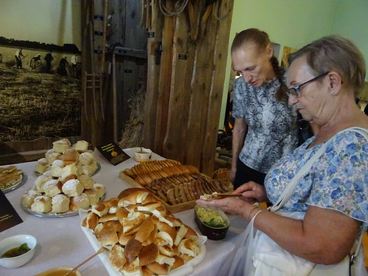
[
  {"x": 8, "y": 216},
  {"x": 113, "y": 153}
]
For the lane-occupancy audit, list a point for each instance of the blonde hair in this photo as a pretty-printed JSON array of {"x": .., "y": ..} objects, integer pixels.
[{"x": 335, "y": 53}]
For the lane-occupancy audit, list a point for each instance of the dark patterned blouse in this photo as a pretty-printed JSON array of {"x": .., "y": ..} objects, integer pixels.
[{"x": 272, "y": 129}]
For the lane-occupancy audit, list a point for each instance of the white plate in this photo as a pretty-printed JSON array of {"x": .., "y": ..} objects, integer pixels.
[
  {"x": 16, "y": 185},
  {"x": 53, "y": 215},
  {"x": 96, "y": 171},
  {"x": 186, "y": 269}
]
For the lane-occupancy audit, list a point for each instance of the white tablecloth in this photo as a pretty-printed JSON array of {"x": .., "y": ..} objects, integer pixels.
[{"x": 61, "y": 241}]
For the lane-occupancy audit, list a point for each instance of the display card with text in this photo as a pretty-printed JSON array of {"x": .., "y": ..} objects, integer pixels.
[{"x": 8, "y": 216}]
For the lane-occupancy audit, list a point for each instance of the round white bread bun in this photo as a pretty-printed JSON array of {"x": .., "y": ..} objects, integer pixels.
[
  {"x": 100, "y": 190},
  {"x": 86, "y": 158},
  {"x": 79, "y": 202},
  {"x": 27, "y": 200},
  {"x": 86, "y": 181},
  {"x": 51, "y": 155},
  {"x": 40, "y": 181},
  {"x": 41, "y": 204},
  {"x": 72, "y": 187},
  {"x": 60, "y": 203},
  {"x": 81, "y": 146},
  {"x": 92, "y": 196},
  {"x": 51, "y": 187}
]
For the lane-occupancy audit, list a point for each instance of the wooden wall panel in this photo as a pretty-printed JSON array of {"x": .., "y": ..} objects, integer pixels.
[
  {"x": 217, "y": 84},
  {"x": 191, "y": 77}
]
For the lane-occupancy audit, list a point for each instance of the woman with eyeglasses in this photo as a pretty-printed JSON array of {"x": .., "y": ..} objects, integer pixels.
[
  {"x": 319, "y": 191},
  {"x": 265, "y": 126}
]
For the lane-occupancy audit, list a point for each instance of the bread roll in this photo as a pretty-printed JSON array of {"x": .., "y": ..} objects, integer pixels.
[
  {"x": 61, "y": 146},
  {"x": 86, "y": 158},
  {"x": 100, "y": 190},
  {"x": 69, "y": 156},
  {"x": 189, "y": 247},
  {"x": 132, "y": 250},
  {"x": 60, "y": 203},
  {"x": 90, "y": 221},
  {"x": 79, "y": 202},
  {"x": 51, "y": 156},
  {"x": 145, "y": 230},
  {"x": 86, "y": 181},
  {"x": 42, "y": 165},
  {"x": 57, "y": 168},
  {"x": 41, "y": 204},
  {"x": 100, "y": 209},
  {"x": 117, "y": 257},
  {"x": 68, "y": 170},
  {"x": 148, "y": 254},
  {"x": 72, "y": 187},
  {"x": 132, "y": 221},
  {"x": 158, "y": 269},
  {"x": 27, "y": 200},
  {"x": 40, "y": 182},
  {"x": 81, "y": 146},
  {"x": 92, "y": 196},
  {"x": 51, "y": 187}
]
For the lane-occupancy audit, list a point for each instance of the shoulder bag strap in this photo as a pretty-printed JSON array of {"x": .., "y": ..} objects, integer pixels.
[{"x": 307, "y": 166}]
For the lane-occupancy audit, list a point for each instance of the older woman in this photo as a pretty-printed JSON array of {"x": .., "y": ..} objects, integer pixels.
[{"x": 321, "y": 214}]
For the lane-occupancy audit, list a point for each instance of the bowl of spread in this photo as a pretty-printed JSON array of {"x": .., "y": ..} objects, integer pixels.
[
  {"x": 212, "y": 223},
  {"x": 142, "y": 154},
  {"x": 16, "y": 251}
]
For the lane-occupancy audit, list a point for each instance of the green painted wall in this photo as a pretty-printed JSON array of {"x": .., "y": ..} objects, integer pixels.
[
  {"x": 293, "y": 23},
  {"x": 48, "y": 21},
  {"x": 351, "y": 21}
]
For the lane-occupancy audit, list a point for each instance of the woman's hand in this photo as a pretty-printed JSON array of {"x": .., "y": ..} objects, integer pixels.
[
  {"x": 252, "y": 191},
  {"x": 231, "y": 205}
]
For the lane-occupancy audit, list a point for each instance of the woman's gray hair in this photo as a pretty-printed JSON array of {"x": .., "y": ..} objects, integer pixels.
[{"x": 335, "y": 53}]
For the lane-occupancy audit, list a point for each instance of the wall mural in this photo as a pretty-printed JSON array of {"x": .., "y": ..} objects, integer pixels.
[{"x": 39, "y": 90}]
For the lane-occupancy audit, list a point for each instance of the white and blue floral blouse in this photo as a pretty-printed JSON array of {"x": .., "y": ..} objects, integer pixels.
[
  {"x": 338, "y": 180},
  {"x": 272, "y": 129}
]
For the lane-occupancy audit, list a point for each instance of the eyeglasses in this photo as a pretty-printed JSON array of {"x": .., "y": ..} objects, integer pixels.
[{"x": 295, "y": 91}]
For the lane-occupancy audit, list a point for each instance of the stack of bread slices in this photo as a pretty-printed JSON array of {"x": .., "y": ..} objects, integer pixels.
[
  {"x": 142, "y": 236},
  {"x": 175, "y": 183}
]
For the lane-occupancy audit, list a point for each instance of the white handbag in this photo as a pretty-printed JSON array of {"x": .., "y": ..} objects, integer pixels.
[{"x": 259, "y": 255}]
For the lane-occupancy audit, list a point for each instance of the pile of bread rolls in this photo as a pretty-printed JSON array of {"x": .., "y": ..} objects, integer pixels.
[
  {"x": 63, "y": 153},
  {"x": 173, "y": 182},
  {"x": 64, "y": 185},
  {"x": 141, "y": 235}
]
